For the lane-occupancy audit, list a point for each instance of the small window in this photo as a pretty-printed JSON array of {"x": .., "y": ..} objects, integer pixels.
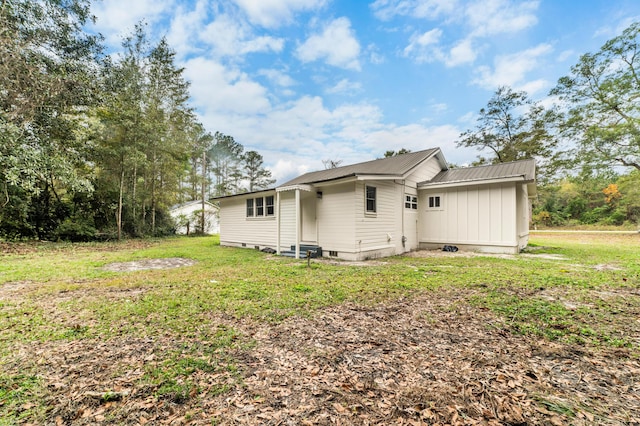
[
  {"x": 434, "y": 202},
  {"x": 411, "y": 202},
  {"x": 371, "y": 199},
  {"x": 250, "y": 207},
  {"x": 269, "y": 204},
  {"x": 259, "y": 206}
]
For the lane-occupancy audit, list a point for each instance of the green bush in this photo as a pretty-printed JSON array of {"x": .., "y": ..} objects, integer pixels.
[{"x": 75, "y": 231}]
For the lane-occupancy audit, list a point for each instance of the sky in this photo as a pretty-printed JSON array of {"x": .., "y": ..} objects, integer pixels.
[{"x": 301, "y": 81}]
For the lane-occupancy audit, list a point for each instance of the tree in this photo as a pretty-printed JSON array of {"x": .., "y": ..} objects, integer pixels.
[
  {"x": 225, "y": 156},
  {"x": 331, "y": 164},
  {"x": 392, "y": 153},
  {"x": 255, "y": 173},
  {"x": 46, "y": 82},
  {"x": 602, "y": 93},
  {"x": 510, "y": 134}
]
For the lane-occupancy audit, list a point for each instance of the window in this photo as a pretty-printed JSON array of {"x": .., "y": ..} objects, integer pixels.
[
  {"x": 269, "y": 204},
  {"x": 250, "y": 207},
  {"x": 434, "y": 202},
  {"x": 370, "y": 198},
  {"x": 411, "y": 202},
  {"x": 259, "y": 206}
]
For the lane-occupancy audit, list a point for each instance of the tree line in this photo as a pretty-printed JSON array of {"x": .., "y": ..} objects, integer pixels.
[
  {"x": 93, "y": 146},
  {"x": 586, "y": 145}
]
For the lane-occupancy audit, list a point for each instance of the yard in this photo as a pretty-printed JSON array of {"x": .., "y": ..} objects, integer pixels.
[{"x": 215, "y": 335}]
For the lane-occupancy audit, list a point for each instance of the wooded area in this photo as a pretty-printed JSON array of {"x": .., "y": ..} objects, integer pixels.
[{"x": 94, "y": 146}]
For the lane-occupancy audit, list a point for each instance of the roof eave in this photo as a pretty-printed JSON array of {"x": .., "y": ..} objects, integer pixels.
[{"x": 485, "y": 181}]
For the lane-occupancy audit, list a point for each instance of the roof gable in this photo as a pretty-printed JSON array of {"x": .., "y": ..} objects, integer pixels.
[
  {"x": 390, "y": 166},
  {"x": 525, "y": 169}
]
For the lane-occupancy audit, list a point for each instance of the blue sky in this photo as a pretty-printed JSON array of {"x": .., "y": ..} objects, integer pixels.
[{"x": 305, "y": 80}]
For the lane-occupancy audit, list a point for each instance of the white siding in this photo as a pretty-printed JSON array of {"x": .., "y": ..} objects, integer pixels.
[
  {"x": 287, "y": 220},
  {"x": 378, "y": 231},
  {"x": 336, "y": 218},
  {"x": 237, "y": 229},
  {"x": 474, "y": 215},
  {"x": 426, "y": 171},
  {"x": 523, "y": 215}
]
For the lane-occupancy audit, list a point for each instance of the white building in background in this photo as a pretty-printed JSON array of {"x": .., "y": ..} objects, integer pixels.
[{"x": 188, "y": 217}]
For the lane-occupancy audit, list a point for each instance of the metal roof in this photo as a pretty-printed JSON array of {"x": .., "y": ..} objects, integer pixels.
[
  {"x": 523, "y": 168},
  {"x": 391, "y": 166}
]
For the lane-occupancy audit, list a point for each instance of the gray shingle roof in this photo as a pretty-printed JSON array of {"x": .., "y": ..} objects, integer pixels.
[
  {"x": 394, "y": 166},
  {"x": 523, "y": 168}
]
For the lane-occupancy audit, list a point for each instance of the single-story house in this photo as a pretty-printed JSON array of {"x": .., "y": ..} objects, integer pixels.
[
  {"x": 386, "y": 207},
  {"x": 188, "y": 217}
]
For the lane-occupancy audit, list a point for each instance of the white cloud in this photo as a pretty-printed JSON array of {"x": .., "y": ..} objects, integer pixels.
[
  {"x": 491, "y": 17},
  {"x": 220, "y": 90},
  {"x": 336, "y": 44},
  {"x": 344, "y": 86},
  {"x": 117, "y": 18},
  {"x": 229, "y": 37},
  {"x": 274, "y": 13},
  {"x": 430, "y": 9},
  {"x": 462, "y": 53},
  {"x": 185, "y": 26},
  {"x": 277, "y": 77},
  {"x": 511, "y": 70}
]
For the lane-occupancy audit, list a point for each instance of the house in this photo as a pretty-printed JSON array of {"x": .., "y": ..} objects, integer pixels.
[
  {"x": 386, "y": 207},
  {"x": 188, "y": 217}
]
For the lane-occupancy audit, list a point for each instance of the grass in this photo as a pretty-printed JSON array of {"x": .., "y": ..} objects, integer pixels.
[{"x": 59, "y": 292}]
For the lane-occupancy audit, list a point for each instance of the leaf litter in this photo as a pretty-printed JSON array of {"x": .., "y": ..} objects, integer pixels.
[{"x": 428, "y": 359}]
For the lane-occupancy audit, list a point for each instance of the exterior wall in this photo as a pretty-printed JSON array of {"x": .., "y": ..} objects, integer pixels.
[
  {"x": 237, "y": 229},
  {"x": 426, "y": 171},
  {"x": 522, "y": 215},
  {"x": 479, "y": 217},
  {"x": 287, "y": 220},
  {"x": 376, "y": 234},
  {"x": 336, "y": 217},
  {"x": 186, "y": 213}
]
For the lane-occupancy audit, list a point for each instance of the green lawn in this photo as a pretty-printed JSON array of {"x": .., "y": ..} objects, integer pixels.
[{"x": 567, "y": 288}]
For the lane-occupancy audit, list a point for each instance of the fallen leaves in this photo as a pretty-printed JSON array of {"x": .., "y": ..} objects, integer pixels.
[{"x": 428, "y": 360}]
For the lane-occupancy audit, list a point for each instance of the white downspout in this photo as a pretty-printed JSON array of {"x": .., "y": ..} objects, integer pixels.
[
  {"x": 278, "y": 223},
  {"x": 297, "y": 223}
]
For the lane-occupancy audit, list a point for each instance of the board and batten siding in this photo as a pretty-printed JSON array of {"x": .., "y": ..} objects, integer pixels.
[
  {"x": 377, "y": 234},
  {"x": 336, "y": 217},
  {"x": 237, "y": 229},
  {"x": 483, "y": 217}
]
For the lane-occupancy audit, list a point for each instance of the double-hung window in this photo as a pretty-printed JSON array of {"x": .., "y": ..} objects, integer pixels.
[
  {"x": 250, "y": 207},
  {"x": 269, "y": 204},
  {"x": 260, "y": 206},
  {"x": 370, "y": 199}
]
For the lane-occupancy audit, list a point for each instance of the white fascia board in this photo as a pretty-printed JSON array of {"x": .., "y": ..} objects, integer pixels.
[
  {"x": 302, "y": 187},
  {"x": 379, "y": 177},
  {"x": 438, "y": 185}
]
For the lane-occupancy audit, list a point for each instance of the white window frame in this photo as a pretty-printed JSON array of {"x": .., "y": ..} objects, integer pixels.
[
  {"x": 256, "y": 205},
  {"x": 411, "y": 202},
  {"x": 435, "y": 202},
  {"x": 367, "y": 199},
  {"x": 250, "y": 205}
]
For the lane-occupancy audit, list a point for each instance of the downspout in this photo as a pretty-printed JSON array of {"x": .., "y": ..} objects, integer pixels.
[
  {"x": 278, "y": 223},
  {"x": 297, "y": 223}
]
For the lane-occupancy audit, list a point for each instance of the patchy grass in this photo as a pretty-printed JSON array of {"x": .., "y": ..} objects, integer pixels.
[{"x": 181, "y": 324}]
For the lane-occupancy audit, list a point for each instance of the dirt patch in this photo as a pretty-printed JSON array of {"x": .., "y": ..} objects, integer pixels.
[
  {"x": 468, "y": 254},
  {"x": 139, "y": 265},
  {"x": 432, "y": 359}
]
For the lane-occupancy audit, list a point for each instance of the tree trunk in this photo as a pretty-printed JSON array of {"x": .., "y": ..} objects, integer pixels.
[{"x": 119, "y": 213}]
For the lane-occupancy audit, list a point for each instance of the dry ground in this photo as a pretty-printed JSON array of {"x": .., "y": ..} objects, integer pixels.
[{"x": 432, "y": 359}]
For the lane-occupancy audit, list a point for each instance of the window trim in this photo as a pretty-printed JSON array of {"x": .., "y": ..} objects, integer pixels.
[
  {"x": 438, "y": 202},
  {"x": 411, "y": 202},
  {"x": 269, "y": 206},
  {"x": 250, "y": 207},
  {"x": 259, "y": 206},
  {"x": 373, "y": 199}
]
